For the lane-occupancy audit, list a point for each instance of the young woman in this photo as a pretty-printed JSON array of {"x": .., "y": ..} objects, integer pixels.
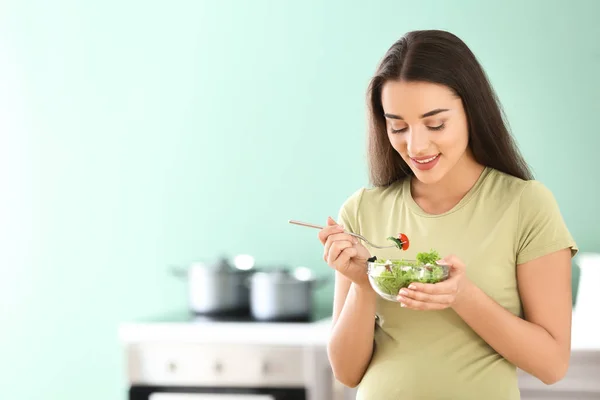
[{"x": 446, "y": 173}]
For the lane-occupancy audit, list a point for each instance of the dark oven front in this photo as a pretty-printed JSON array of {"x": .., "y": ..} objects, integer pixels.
[{"x": 144, "y": 392}]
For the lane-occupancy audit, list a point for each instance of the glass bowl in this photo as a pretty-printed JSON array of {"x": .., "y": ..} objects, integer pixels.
[{"x": 389, "y": 276}]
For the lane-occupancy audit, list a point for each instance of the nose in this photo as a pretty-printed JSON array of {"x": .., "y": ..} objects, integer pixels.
[{"x": 417, "y": 143}]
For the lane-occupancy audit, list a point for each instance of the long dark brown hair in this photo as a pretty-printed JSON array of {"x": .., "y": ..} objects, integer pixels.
[{"x": 441, "y": 57}]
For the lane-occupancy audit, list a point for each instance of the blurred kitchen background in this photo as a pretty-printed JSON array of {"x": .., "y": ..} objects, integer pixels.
[{"x": 138, "y": 137}]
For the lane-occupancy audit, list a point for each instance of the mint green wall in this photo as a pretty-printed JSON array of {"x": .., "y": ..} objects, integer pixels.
[{"x": 136, "y": 135}]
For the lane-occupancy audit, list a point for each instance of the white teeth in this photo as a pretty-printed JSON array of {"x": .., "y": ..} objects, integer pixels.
[{"x": 425, "y": 161}]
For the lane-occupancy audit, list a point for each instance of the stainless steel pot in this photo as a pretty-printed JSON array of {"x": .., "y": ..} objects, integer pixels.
[
  {"x": 217, "y": 288},
  {"x": 279, "y": 295}
]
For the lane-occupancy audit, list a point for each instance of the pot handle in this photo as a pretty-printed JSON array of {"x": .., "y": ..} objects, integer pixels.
[
  {"x": 247, "y": 281},
  {"x": 177, "y": 271}
]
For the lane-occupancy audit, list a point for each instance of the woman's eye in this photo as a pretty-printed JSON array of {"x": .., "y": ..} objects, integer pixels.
[
  {"x": 436, "y": 128},
  {"x": 399, "y": 130}
]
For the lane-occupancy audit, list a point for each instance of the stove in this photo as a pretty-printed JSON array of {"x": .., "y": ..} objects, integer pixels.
[
  {"x": 317, "y": 314},
  {"x": 182, "y": 355}
]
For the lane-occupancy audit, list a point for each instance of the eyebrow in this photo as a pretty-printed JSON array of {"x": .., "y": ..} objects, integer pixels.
[{"x": 427, "y": 114}]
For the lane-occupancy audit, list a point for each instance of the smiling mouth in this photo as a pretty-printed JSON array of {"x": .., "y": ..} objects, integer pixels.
[{"x": 425, "y": 160}]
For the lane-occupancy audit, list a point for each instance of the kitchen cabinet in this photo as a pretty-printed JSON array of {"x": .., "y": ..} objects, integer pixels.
[
  {"x": 581, "y": 382},
  {"x": 292, "y": 355},
  {"x": 284, "y": 360},
  {"x": 218, "y": 365}
]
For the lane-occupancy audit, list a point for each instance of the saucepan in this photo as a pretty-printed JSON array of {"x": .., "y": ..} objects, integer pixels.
[
  {"x": 218, "y": 288},
  {"x": 283, "y": 295}
]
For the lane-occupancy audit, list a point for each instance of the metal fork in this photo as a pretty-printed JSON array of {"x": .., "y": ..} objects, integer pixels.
[{"x": 349, "y": 233}]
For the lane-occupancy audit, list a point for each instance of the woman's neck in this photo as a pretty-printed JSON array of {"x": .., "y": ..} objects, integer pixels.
[{"x": 442, "y": 196}]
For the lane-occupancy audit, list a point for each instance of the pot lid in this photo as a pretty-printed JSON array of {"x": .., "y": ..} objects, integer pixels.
[
  {"x": 242, "y": 262},
  {"x": 303, "y": 274},
  {"x": 222, "y": 264}
]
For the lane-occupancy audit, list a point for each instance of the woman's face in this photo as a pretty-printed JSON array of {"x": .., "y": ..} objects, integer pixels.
[{"x": 427, "y": 126}]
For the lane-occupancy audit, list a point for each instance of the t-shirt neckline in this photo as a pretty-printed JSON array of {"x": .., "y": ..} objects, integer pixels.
[{"x": 414, "y": 207}]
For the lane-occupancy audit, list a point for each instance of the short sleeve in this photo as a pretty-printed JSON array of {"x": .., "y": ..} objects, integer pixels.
[
  {"x": 542, "y": 229},
  {"x": 348, "y": 212}
]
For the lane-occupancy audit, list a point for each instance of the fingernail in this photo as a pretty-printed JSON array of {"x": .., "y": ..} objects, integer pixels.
[
  {"x": 412, "y": 287},
  {"x": 402, "y": 305},
  {"x": 403, "y": 292},
  {"x": 441, "y": 262}
]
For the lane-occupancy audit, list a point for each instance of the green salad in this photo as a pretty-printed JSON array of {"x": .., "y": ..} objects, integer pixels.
[{"x": 392, "y": 275}]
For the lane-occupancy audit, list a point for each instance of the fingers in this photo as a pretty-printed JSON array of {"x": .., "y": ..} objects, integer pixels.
[
  {"x": 445, "y": 287},
  {"x": 421, "y": 305},
  {"x": 339, "y": 246},
  {"x": 408, "y": 294},
  {"x": 337, "y": 237},
  {"x": 452, "y": 261},
  {"x": 344, "y": 258},
  {"x": 334, "y": 250},
  {"x": 331, "y": 228},
  {"x": 438, "y": 296},
  {"x": 340, "y": 236},
  {"x": 335, "y": 243}
]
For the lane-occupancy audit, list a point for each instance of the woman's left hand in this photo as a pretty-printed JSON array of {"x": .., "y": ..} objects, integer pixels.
[{"x": 437, "y": 296}]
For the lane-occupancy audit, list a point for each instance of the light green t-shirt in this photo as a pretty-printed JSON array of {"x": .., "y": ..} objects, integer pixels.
[{"x": 503, "y": 221}]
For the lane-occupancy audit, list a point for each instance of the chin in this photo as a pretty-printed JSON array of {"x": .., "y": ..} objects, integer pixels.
[{"x": 429, "y": 176}]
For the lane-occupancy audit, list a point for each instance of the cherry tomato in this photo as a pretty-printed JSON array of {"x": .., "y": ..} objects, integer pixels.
[{"x": 405, "y": 242}]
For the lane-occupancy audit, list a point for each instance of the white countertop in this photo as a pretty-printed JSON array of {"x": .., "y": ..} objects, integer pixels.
[
  {"x": 582, "y": 376},
  {"x": 283, "y": 333},
  {"x": 585, "y": 338},
  {"x": 585, "y": 333}
]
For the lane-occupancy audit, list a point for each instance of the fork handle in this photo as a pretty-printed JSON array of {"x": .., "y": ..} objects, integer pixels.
[
  {"x": 322, "y": 227},
  {"x": 291, "y": 221},
  {"x": 356, "y": 235}
]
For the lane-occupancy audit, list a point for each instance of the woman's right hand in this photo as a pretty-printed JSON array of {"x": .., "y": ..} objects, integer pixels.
[{"x": 344, "y": 253}]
